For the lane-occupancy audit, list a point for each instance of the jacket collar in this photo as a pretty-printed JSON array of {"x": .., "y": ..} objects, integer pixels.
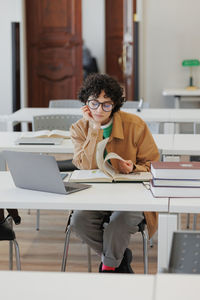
[{"x": 117, "y": 130}]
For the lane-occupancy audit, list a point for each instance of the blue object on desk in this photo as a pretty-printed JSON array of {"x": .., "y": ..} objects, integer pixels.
[{"x": 63, "y": 175}]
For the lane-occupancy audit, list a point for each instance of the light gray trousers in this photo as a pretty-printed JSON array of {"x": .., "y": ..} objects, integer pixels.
[{"x": 109, "y": 241}]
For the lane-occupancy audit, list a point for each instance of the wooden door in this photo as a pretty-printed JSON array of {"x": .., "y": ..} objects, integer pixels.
[
  {"x": 128, "y": 62},
  {"x": 54, "y": 50},
  {"x": 122, "y": 45},
  {"x": 114, "y": 38}
]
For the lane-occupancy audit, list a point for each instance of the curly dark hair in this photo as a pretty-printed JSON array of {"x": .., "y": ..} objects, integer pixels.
[{"x": 95, "y": 83}]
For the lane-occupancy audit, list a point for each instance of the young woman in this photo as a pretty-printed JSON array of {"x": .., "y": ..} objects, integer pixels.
[{"x": 130, "y": 138}]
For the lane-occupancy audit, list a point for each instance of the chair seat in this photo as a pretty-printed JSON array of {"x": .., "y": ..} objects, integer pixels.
[{"x": 6, "y": 233}]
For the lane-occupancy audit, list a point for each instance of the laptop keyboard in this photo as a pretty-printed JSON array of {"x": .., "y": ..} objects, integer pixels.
[{"x": 70, "y": 188}]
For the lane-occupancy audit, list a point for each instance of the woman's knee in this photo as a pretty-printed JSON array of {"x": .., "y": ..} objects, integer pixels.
[
  {"x": 77, "y": 219},
  {"x": 126, "y": 218}
]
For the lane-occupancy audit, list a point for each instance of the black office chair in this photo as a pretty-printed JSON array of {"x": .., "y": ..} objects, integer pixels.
[
  {"x": 141, "y": 229},
  {"x": 7, "y": 234}
]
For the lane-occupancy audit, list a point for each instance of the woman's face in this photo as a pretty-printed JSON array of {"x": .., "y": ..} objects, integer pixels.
[{"x": 100, "y": 108}]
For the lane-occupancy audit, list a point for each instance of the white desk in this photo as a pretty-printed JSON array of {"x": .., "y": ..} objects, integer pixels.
[
  {"x": 26, "y": 114},
  {"x": 184, "y": 205},
  {"x": 114, "y": 196},
  {"x": 7, "y": 142},
  {"x": 177, "y": 287},
  {"x": 98, "y": 197},
  {"x": 180, "y": 93},
  {"x": 180, "y": 144},
  {"x": 75, "y": 286},
  {"x": 160, "y": 115},
  {"x": 89, "y": 286}
]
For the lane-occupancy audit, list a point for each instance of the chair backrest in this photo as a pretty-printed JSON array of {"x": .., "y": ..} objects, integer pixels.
[
  {"x": 185, "y": 252},
  {"x": 65, "y": 103},
  {"x": 50, "y": 122},
  {"x": 135, "y": 104},
  {"x": 154, "y": 127}
]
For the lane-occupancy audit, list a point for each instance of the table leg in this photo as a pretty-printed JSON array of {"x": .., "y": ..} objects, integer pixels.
[
  {"x": 177, "y": 100},
  {"x": 167, "y": 224},
  {"x": 169, "y": 128},
  {"x": 24, "y": 126},
  {"x": 2, "y": 163},
  {"x": 10, "y": 126}
]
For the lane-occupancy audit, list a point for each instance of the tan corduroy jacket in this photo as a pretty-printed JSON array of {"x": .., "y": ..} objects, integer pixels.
[{"x": 130, "y": 138}]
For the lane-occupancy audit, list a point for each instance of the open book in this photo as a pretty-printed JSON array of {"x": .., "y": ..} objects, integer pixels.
[
  {"x": 56, "y": 133},
  {"x": 106, "y": 173}
]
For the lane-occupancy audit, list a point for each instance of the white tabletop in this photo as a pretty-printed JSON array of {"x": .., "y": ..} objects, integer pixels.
[
  {"x": 75, "y": 286},
  {"x": 184, "y": 205},
  {"x": 7, "y": 142},
  {"x": 177, "y": 287},
  {"x": 147, "y": 114},
  {"x": 164, "y": 142},
  {"x": 181, "y": 92},
  {"x": 181, "y": 144},
  {"x": 107, "y": 196}
]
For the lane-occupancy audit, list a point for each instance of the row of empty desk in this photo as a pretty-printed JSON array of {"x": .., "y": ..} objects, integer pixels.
[{"x": 85, "y": 286}]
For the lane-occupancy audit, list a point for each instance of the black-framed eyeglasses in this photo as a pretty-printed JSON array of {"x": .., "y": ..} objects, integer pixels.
[{"x": 106, "y": 106}]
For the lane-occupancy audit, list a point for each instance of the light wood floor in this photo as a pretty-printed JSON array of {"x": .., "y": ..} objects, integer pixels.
[{"x": 42, "y": 250}]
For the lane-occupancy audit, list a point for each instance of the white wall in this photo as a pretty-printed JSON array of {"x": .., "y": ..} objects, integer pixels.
[
  {"x": 170, "y": 35},
  {"x": 10, "y": 11},
  {"x": 93, "y": 29}
]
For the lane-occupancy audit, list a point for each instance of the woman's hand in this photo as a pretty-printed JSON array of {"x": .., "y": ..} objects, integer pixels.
[
  {"x": 125, "y": 166},
  {"x": 87, "y": 115}
]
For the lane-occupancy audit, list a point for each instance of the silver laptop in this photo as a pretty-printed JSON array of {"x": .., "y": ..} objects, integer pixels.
[{"x": 38, "y": 172}]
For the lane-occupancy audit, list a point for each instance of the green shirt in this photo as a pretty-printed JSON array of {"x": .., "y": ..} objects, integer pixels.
[{"x": 107, "y": 129}]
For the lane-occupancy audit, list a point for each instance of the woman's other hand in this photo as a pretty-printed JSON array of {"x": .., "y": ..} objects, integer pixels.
[{"x": 125, "y": 166}]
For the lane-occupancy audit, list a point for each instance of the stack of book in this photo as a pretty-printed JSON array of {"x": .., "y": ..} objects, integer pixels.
[{"x": 175, "y": 179}]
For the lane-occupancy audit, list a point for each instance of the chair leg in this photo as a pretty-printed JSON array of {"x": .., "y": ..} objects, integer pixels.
[
  {"x": 151, "y": 243},
  {"x": 10, "y": 255},
  {"x": 38, "y": 220},
  {"x": 188, "y": 221},
  {"x": 89, "y": 259},
  {"x": 17, "y": 255},
  {"x": 145, "y": 251},
  {"x": 194, "y": 222},
  {"x": 66, "y": 248}
]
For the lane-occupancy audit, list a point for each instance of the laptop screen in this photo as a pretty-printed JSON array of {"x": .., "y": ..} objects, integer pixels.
[{"x": 36, "y": 172}]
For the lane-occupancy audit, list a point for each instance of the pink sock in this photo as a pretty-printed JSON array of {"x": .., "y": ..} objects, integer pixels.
[{"x": 106, "y": 268}]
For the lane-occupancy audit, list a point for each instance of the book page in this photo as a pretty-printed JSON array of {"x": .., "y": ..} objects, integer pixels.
[
  {"x": 33, "y": 134},
  {"x": 95, "y": 175},
  {"x": 137, "y": 176},
  {"x": 60, "y": 133},
  {"x": 102, "y": 163},
  {"x": 99, "y": 153},
  {"x": 56, "y": 133},
  {"x": 106, "y": 167}
]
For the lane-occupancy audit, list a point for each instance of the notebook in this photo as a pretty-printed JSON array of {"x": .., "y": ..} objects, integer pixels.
[{"x": 38, "y": 172}]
